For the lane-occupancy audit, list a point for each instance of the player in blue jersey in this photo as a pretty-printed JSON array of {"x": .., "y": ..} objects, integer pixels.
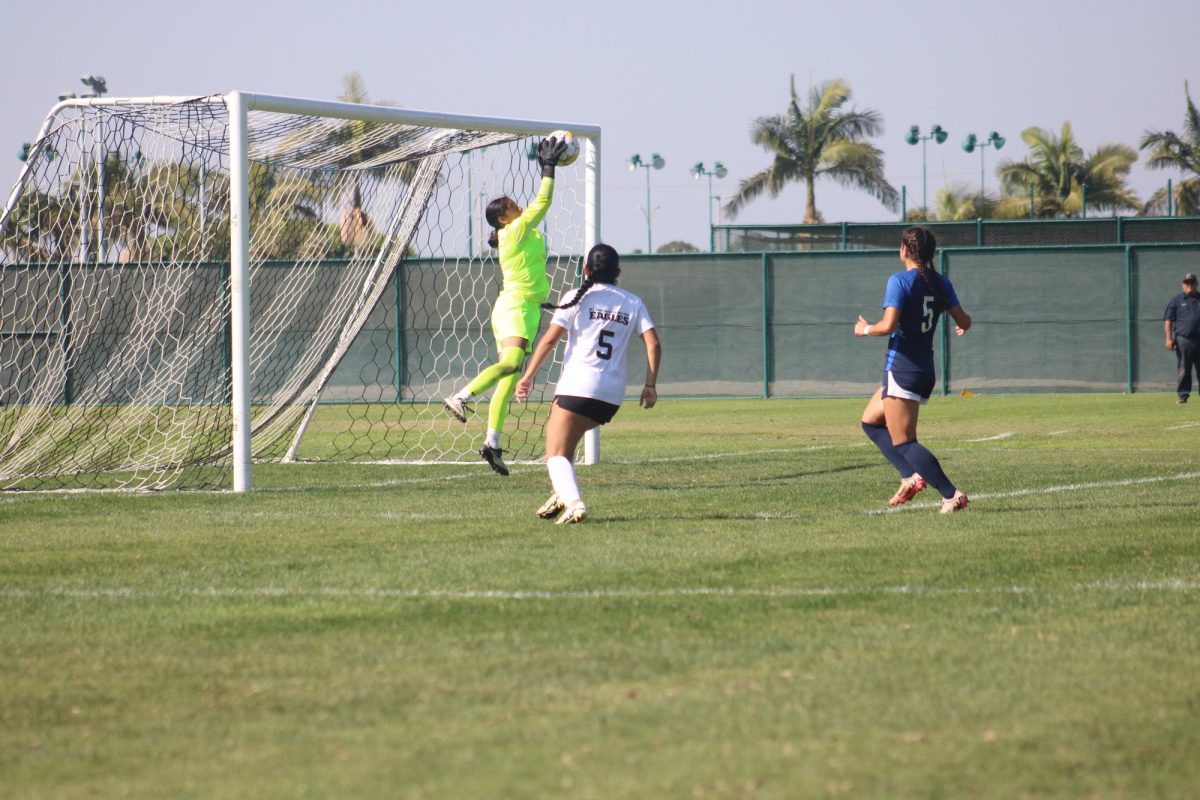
[{"x": 914, "y": 301}]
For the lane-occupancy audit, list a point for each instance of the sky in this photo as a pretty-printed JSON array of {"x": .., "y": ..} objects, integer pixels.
[{"x": 685, "y": 79}]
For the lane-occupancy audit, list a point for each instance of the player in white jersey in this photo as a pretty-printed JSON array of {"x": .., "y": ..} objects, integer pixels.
[{"x": 599, "y": 321}]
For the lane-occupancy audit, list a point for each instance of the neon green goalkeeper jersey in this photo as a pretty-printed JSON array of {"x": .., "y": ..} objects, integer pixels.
[{"x": 523, "y": 250}]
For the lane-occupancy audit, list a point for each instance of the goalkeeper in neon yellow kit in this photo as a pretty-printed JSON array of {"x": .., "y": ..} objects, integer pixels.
[{"x": 518, "y": 309}]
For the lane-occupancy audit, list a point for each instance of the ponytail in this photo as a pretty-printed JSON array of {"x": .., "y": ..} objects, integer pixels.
[
  {"x": 579, "y": 293},
  {"x": 495, "y": 210},
  {"x": 603, "y": 266},
  {"x": 920, "y": 244}
]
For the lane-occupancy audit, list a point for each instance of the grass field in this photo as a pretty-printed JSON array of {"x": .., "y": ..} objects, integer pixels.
[{"x": 736, "y": 619}]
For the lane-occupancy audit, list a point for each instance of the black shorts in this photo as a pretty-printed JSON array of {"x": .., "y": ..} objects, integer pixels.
[{"x": 597, "y": 411}]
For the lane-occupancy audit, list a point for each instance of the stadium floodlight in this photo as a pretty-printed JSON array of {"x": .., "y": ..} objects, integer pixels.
[
  {"x": 939, "y": 135},
  {"x": 698, "y": 171},
  {"x": 972, "y": 141},
  {"x": 96, "y": 83},
  {"x": 170, "y": 353},
  {"x": 657, "y": 162}
]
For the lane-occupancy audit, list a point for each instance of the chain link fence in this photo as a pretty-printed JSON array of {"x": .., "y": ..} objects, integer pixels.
[{"x": 977, "y": 233}]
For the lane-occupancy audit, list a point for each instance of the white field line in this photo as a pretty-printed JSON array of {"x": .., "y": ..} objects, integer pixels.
[
  {"x": 1068, "y": 487},
  {"x": 539, "y": 466},
  {"x": 995, "y": 438},
  {"x": 1182, "y": 426},
  {"x": 1164, "y": 585},
  {"x": 815, "y": 448}
]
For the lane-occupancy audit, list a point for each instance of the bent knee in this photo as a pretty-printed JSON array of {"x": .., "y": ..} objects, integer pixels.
[{"x": 510, "y": 359}]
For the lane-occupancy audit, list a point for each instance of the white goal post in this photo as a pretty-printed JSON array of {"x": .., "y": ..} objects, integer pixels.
[{"x": 147, "y": 236}]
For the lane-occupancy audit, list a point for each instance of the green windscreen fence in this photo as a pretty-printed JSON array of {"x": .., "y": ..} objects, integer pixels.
[
  {"x": 1047, "y": 319},
  {"x": 711, "y": 310}
]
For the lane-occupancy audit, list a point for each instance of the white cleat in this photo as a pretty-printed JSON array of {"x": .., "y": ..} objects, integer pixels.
[
  {"x": 956, "y": 503},
  {"x": 576, "y": 512},
  {"x": 551, "y": 508},
  {"x": 456, "y": 406}
]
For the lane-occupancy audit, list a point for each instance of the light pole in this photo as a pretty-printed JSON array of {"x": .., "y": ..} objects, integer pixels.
[
  {"x": 99, "y": 87},
  {"x": 657, "y": 162},
  {"x": 720, "y": 171},
  {"x": 912, "y": 137},
  {"x": 971, "y": 142}
]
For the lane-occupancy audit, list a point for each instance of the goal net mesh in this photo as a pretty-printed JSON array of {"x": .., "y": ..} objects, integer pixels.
[{"x": 371, "y": 285}]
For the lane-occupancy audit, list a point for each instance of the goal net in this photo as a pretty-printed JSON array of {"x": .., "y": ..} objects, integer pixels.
[{"x": 188, "y": 286}]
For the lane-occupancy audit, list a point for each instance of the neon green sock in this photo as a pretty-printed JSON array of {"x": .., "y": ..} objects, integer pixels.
[
  {"x": 509, "y": 363},
  {"x": 498, "y": 407}
]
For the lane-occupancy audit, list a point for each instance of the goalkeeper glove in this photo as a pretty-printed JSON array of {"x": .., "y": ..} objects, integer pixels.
[{"x": 549, "y": 152}]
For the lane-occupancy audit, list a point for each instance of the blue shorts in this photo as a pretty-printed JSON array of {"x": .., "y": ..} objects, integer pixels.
[{"x": 909, "y": 384}]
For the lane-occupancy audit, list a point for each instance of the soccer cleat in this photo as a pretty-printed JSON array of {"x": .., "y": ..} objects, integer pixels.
[
  {"x": 458, "y": 407},
  {"x": 908, "y": 490},
  {"x": 551, "y": 507},
  {"x": 956, "y": 503},
  {"x": 576, "y": 512},
  {"x": 494, "y": 457}
]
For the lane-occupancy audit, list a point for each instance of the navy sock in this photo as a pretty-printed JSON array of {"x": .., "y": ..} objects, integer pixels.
[
  {"x": 927, "y": 464},
  {"x": 883, "y": 440}
]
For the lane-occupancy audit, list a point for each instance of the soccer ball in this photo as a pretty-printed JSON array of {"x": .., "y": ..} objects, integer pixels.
[{"x": 572, "y": 151}]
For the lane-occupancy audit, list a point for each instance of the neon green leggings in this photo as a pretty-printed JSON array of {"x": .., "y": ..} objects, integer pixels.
[{"x": 504, "y": 375}]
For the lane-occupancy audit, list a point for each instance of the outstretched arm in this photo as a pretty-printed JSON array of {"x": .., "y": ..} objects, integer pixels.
[
  {"x": 545, "y": 346},
  {"x": 533, "y": 215},
  {"x": 653, "y": 359},
  {"x": 549, "y": 152}
]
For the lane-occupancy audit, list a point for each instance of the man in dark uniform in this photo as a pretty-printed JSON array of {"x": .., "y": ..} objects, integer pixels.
[{"x": 1181, "y": 322}]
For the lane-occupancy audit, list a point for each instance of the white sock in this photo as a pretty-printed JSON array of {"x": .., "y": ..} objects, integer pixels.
[
  {"x": 493, "y": 438},
  {"x": 562, "y": 478},
  {"x": 462, "y": 394}
]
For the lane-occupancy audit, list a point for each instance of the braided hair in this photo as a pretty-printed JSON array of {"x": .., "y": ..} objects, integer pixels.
[
  {"x": 603, "y": 266},
  {"x": 920, "y": 244}
]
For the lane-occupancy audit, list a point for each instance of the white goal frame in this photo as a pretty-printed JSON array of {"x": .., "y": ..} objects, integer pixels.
[{"x": 239, "y": 105}]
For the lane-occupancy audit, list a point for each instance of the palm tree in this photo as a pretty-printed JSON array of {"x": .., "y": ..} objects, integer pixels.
[
  {"x": 362, "y": 141},
  {"x": 189, "y": 205},
  {"x": 291, "y": 205},
  {"x": 355, "y": 228},
  {"x": 962, "y": 201},
  {"x": 678, "y": 246},
  {"x": 819, "y": 140},
  {"x": 1169, "y": 150},
  {"x": 42, "y": 227},
  {"x": 1059, "y": 170}
]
